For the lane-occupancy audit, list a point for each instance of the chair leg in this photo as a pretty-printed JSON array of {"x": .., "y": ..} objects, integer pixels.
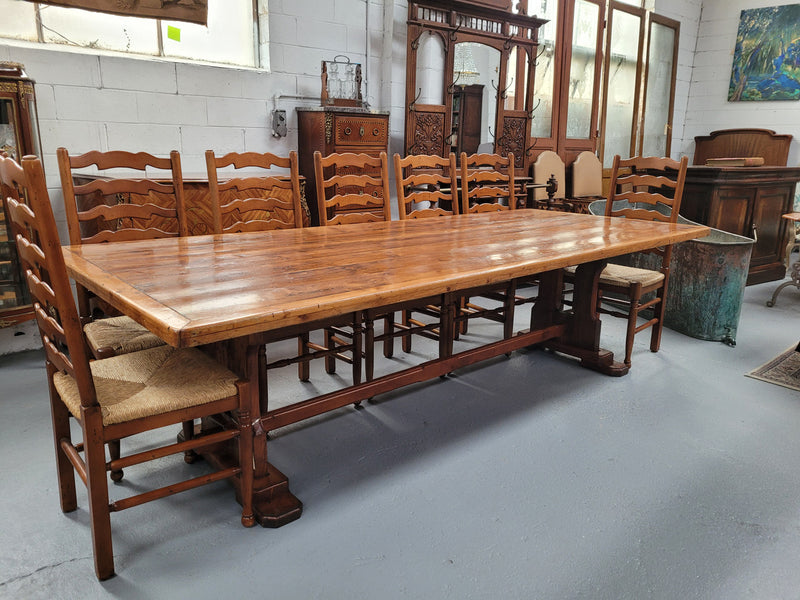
[
  {"x": 658, "y": 326},
  {"x": 303, "y": 367},
  {"x": 406, "y": 343},
  {"x": 247, "y": 405},
  {"x": 388, "y": 328},
  {"x": 633, "y": 315},
  {"x": 189, "y": 456},
  {"x": 330, "y": 361},
  {"x": 61, "y": 430},
  {"x": 359, "y": 349},
  {"x": 510, "y": 303},
  {"x": 97, "y": 488},
  {"x": 114, "y": 454},
  {"x": 369, "y": 353}
]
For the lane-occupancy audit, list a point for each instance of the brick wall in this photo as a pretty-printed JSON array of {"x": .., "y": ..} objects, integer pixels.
[
  {"x": 89, "y": 101},
  {"x": 708, "y": 106}
]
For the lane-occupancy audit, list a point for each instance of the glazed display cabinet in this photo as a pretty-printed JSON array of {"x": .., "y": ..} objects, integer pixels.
[{"x": 19, "y": 135}]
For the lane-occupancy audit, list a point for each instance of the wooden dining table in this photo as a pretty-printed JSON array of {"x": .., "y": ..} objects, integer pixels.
[{"x": 236, "y": 292}]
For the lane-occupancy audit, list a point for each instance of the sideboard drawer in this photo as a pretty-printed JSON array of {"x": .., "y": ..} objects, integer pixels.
[{"x": 361, "y": 131}]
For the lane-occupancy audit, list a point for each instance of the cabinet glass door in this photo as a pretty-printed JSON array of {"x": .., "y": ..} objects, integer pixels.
[{"x": 9, "y": 142}]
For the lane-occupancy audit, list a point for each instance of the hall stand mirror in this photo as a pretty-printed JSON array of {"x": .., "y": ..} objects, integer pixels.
[
  {"x": 464, "y": 59},
  {"x": 655, "y": 132},
  {"x": 19, "y": 136},
  {"x": 567, "y": 77},
  {"x": 622, "y": 73}
]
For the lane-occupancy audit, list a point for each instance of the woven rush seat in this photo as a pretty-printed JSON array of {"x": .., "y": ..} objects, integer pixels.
[
  {"x": 625, "y": 276},
  {"x": 119, "y": 335},
  {"x": 150, "y": 382},
  {"x": 622, "y": 275}
]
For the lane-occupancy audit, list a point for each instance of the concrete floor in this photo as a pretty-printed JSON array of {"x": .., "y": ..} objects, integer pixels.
[{"x": 526, "y": 478}]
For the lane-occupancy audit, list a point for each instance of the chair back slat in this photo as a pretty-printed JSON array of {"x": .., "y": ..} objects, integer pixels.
[
  {"x": 110, "y": 187},
  {"x": 352, "y": 188},
  {"x": 123, "y": 183},
  {"x": 42, "y": 261},
  {"x": 649, "y": 188},
  {"x": 265, "y": 197},
  {"x": 126, "y": 211},
  {"x": 487, "y": 183}
]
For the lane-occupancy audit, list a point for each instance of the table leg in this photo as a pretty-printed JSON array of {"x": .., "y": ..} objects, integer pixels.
[
  {"x": 582, "y": 336},
  {"x": 273, "y": 504}
]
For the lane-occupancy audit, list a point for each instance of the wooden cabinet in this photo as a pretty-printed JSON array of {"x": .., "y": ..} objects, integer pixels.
[
  {"x": 467, "y": 119},
  {"x": 337, "y": 129},
  {"x": 747, "y": 201},
  {"x": 19, "y": 135}
]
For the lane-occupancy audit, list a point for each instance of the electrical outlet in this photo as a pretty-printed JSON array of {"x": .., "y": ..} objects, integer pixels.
[{"x": 279, "y": 123}]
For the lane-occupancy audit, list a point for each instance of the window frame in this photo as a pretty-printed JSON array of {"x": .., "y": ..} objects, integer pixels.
[{"x": 258, "y": 26}]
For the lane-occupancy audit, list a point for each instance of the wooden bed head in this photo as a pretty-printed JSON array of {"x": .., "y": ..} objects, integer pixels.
[{"x": 743, "y": 143}]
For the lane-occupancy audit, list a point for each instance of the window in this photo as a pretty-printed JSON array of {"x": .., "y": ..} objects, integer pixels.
[{"x": 231, "y": 37}]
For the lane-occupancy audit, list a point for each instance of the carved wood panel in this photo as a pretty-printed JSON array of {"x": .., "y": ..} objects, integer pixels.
[
  {"x": 512, "y": 139},
  {"x": 428, "y": 133}
]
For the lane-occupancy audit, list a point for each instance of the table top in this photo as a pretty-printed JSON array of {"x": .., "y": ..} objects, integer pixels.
[{"x": 201, "y": 289}]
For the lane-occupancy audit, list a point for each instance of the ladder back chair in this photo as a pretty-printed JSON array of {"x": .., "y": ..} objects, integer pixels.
[
  {"x": 352, "y": 188},
  {"x": 488, "y": 184},
  {"x": 427, "y": 186},
  {"x": 652, "y": 191},
  {"x": 251, "y": 191},
  {"x": 119, "y": 396},
  {"x": 254, "y": 200},
  {"x": 120, "y": 203}
]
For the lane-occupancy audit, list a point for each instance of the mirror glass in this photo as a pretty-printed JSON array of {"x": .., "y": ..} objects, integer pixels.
[
  {"x": 659, "y": 90},
  {"x": 516, "y": 79},
  {"x": 621, "y": 90},
  {"x": 542, "y": 123},
  {"x": 476, "y": 79},
  {"x": 580, "y": 95},
  {"x": 430, "y": 69}
]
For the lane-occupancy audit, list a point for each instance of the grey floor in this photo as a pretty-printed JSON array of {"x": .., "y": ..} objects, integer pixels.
[{"x": 525, "y": 477}]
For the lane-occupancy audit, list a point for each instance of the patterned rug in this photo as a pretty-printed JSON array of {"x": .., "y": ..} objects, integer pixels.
[{"x": 783, "y": 370}]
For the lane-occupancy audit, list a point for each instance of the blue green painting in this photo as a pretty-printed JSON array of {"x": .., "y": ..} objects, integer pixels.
[{"x": 766, "y": 59}]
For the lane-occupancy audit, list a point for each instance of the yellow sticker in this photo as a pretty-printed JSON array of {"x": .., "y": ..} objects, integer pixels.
[{"x": 174, "y": 33}]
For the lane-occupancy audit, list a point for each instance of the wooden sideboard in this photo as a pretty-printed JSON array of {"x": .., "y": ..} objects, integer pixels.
[
  {"x": 748, "y": 201},
  {"x": 330, "y": 129}
]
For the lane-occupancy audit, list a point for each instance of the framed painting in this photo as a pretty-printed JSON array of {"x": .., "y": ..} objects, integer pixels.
[{"x": 766, "y": 58}]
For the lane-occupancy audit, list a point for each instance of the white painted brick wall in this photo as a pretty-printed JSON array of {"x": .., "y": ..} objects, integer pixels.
[
  {"x": 708, "y": 106},
  {"x": 687, "y": 12},
  {"x": 89, "y": 101}
]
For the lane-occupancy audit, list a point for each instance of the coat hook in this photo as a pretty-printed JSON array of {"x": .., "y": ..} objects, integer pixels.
[
  {"x": 539, "y": 54},
  {"x": 538, "y": 102},
  {"x": 455, "y": 31},
  {"x": 503, "y": 93},
  {"x": 414, "y": 101},
  {"x": 415, "y": 41},
  {"x": 452, "y": 87}
]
